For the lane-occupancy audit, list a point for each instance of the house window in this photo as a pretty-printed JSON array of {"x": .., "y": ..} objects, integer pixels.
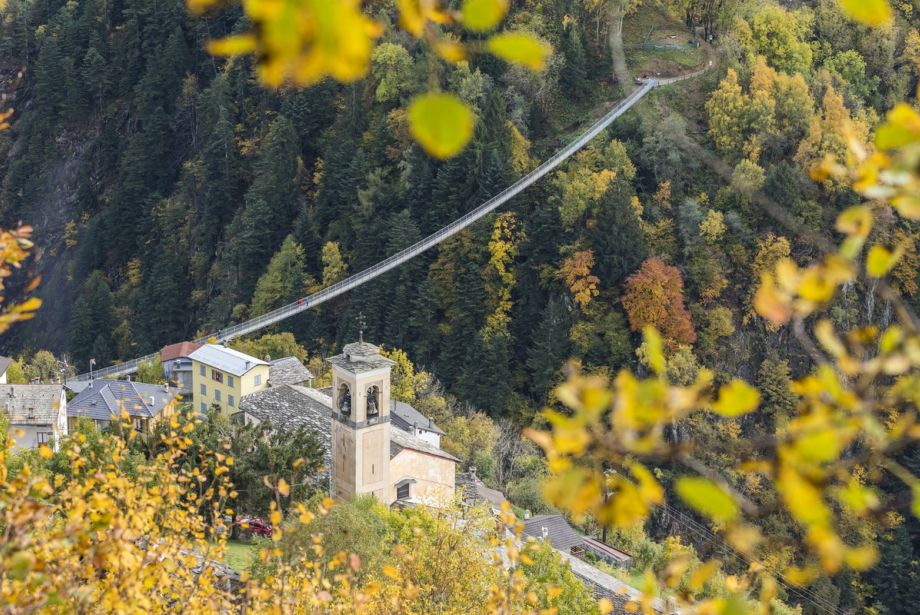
[
  {"x": 201, "y": 370},
  {"x": 257, "y": 379},
  {"x": 217, "y": 376},
  {"x": 139, "y": 424},
  {"x": 229, "y": 380},
  {"x": 45, "y": 437},
  {"x": 230, "y": 400},
  {"x": 204, "y": 407},
  {"x": 216, "y": 395},
  {"x": 402, "y": 492},
  {"x": 204, "y": 390}
]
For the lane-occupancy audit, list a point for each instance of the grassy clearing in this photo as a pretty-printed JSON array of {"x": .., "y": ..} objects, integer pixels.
[
  {"x": 240, "y": 554},
  {"x": 653, "y": 27}
]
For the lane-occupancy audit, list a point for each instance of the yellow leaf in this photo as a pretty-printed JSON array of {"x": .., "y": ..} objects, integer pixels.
[
  {"x": 483, "y": 15},
  {"x": 702, "y": 574},
  {"x": 233, "y": 45},
  {"x": 605, "y": 606},
  {"x": 44, "y": 452},
  {"x": 771, "y": 303},
  {"x": 451, "y": 51},
  {"x": 654, "y": 349},
  {"x": 870, "y": 12},
  {"x": 861, "y": 558},
  {"x": 880, "y": 260},
  {"x": 907, "y": 205},
  {"x": 520, "y": 48},
  {"x": 390, "y": 571},
  {"x": 902, "y": 128},
  {"x": 441, "y": 123},
  {"x": 736, "y": 398},
  {"x": 553, "y": 591},
  {"x": 283, "y": 488},
  {"x": 275, "y": 517},
  {"x": 706, "y": 497}
]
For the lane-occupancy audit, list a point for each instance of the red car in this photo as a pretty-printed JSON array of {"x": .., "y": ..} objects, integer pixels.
[{"x": 254, "y": 525}]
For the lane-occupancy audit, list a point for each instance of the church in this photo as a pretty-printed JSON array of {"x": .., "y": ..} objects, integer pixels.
[{"x": 374, "y": 445}]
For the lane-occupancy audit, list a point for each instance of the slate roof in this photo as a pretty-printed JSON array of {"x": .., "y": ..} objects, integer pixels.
[
  {"x": 405, "y": 417},
  {"x": 288, "y": 370},
  {"x": 4, "y": 364},
  {"x": 475, "y": 491},
  {"x": 31, "y": 404},
  {"x": 604, "y": 585},
  {"x": 179, "y": 350},
  {"x": 360, "y": 357},
  {"x": 225, "y": 359},
  {"x": 105, "y": 400},
  {"x": 288, "y": 407},
  {"x": 400, "y": 440},
  {"x": 559, "y": 532}
]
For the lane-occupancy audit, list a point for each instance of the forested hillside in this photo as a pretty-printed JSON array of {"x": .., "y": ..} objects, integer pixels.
[{"x": 172, "y": 194}]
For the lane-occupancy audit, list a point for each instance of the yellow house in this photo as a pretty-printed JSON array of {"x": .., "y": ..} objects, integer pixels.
[{"x": 221, "y": 376}]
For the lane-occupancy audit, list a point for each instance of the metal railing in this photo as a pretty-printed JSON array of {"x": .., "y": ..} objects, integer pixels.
[{"x": 353, "y": 281}]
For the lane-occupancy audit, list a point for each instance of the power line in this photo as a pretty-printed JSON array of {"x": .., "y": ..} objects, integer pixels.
[{"x": 725, "y": 549}]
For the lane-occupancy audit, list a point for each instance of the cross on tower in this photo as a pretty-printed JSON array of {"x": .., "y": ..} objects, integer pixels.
[{"x": 361, "y": 324}]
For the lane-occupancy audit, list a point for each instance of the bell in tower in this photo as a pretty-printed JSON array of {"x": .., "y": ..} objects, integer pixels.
[{"x": 361, "y": 422}]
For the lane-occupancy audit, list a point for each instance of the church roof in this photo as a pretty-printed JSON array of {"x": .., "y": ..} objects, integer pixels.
[
  {"x": 5, "y": 363},
  {"x": 288, "y": 407},
  {"x": 400, "y": 440},
  {"x": 288, "y": 370},
  {"x": 360, "y": 357},
  {"x": 225, "y": 359}
]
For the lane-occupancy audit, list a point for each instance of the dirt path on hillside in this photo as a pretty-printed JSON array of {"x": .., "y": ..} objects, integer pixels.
[{"x": 617, "y": 53}]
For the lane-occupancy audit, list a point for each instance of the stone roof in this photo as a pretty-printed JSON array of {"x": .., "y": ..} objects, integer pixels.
[
  {"x": 606, "y": 586},
  {"x": 31, "y": 404},
  {"x": 559, "y": 532},
  {"x": 405, "y": 417},
  {"x": 179, "y": 350},
  {"x": 288, "y": 370},
  {"x": 226, "y": 359},
  {"x": 359, "y": 357},
  {"x": 400, "y": 440},
  {"x": 4, "y": 364},
  {"x": 103, "y": 400},
  {"x": 475, "y": 492},
  {"x": 287, "y": 407}
]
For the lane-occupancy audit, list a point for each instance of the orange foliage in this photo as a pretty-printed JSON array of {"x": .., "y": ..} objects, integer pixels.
[{"x": 655, "y": 296}]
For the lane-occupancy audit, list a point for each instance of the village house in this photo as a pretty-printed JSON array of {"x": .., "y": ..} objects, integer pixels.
[
  {"x": 37, "y": 414},
  {"x": 103, "y": 401},
  {"x": 177, "y": 366},
  {"x": 221, "y": 376},
  {"x": 369, "y": 450}
]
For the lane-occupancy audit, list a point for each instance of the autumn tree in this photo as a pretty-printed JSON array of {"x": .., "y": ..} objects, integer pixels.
[{"x": 654, "y": 297}]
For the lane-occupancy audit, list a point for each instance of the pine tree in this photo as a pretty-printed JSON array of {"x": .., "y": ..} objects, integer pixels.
[
  {"x": 573, "y": 78},
  {"x": 549, "y": 348},
  {"x": 283, "y": 280},
  {"x": 92, "y": 323},
  {"x": 617, "y": 239}
]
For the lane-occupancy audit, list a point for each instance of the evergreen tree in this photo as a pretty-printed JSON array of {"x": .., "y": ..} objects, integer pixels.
[
  {"x": 573, "y": 78},
  {"x": 549, "y": 348},
  {"x": 617, "y": 239},
  {"x": 283, "y": 281},
  {"x": 92, "y": 323}
]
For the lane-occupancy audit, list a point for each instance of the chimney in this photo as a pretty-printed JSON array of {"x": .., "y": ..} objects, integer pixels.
[
  {"x": 545, "y": 532},
  {"x": 473, "y": 471},
  {"x": 247, "y": 366},
  {"x": 527, "y": 515},
  {"x": 152, "y": 400}
]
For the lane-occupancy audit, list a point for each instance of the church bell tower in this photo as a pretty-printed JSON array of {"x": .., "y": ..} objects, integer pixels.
[{"x": 361, "y": 422}]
